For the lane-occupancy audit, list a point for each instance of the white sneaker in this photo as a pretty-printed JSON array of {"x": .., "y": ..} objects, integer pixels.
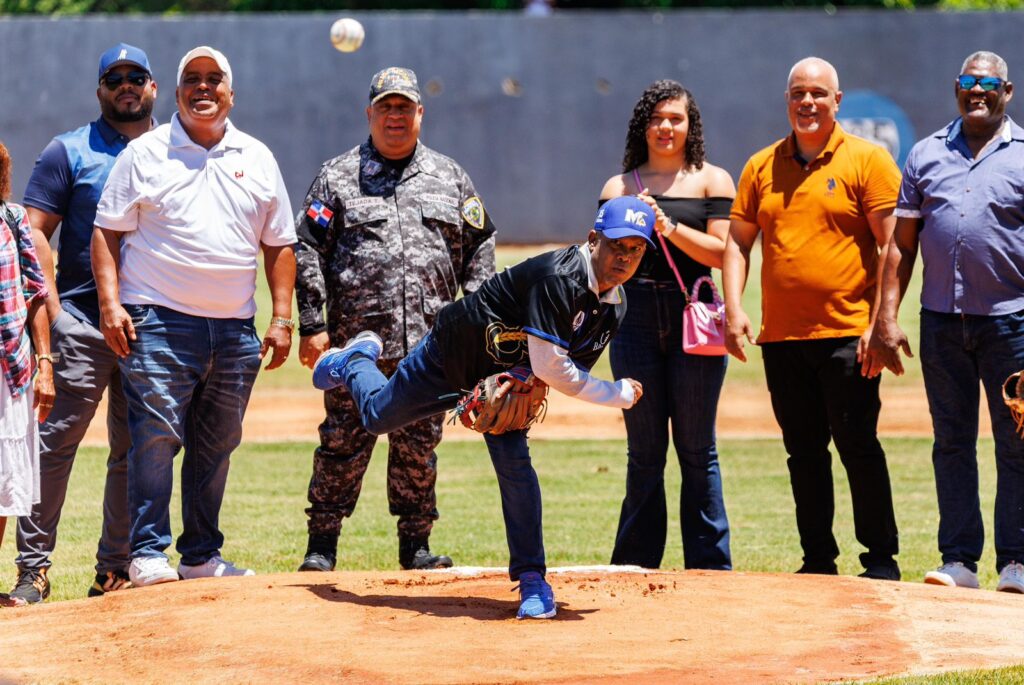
[
  {"x": 150, "y": 571},
  {"x": 953, "y": 574},
  {"x": 214, "y": 567},
  {"x": 1011, "y": 578}
]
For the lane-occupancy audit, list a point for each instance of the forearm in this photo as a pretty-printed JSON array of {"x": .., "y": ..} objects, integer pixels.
[
  {"x": 39, "y": 327},
  {"x": 552, "y": 365},
  {"x": 735, "y": 268},
  {"x": 105, "y": 251},
  {"x": 279, "y": 264},
  {"x": 310, "y": 290},
  {"x": 705, "y": 248},
  {"x": 45, "y": 257}
]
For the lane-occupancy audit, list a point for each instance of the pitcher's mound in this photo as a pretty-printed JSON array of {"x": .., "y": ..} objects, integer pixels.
[{"x": 460, "y": 627}]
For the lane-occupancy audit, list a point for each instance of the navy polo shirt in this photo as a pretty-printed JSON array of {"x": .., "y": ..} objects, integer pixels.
[{"x": 67, "y": 181}]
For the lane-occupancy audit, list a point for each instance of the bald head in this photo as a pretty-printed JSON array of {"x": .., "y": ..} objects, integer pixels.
[{"x": 814, "y": 68}]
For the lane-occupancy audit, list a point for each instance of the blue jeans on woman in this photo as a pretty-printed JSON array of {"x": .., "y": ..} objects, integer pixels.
[
  {"x": 418, "y": 389},
  {"x": 680, "y": 390},
  {"x": 187, "y": 382},
  {"x": 958, "y": 351}
]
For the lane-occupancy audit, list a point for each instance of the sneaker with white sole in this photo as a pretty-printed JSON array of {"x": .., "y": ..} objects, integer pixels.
[
  {"x": 145, "y": 571},
  {"x": 536, "y": 600},
  {"x": 953, "y": 574},
  {"x": 214, "y": 567},
  {"x": 330, "y": 367},
  {"x": 1011, "y": 578}
]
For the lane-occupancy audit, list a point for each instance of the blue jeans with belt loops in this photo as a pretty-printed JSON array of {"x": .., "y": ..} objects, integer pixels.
[
  {"x": 187, "y": 382},
  {"x": 419, "y": 389}
]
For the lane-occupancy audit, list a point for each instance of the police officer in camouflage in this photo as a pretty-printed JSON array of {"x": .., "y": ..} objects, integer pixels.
[{"x": 388, "y": 233}]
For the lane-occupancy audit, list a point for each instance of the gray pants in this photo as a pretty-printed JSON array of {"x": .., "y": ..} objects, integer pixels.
[{"x": 84, "y": 368}]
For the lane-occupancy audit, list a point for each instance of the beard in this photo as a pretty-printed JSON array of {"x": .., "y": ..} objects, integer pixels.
[{"x": 111, "y": 113}]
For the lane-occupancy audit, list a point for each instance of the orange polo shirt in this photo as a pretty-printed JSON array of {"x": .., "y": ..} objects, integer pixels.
[{"x": 820, "y": 258}]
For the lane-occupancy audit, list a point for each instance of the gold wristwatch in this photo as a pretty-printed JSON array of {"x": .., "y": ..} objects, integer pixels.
[{"x": 283, "y": 322}]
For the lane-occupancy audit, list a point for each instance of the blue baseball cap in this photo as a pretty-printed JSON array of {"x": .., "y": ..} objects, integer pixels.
[
  {"x": 122, "y": 53},
  {"x": 625, "y": 217}
]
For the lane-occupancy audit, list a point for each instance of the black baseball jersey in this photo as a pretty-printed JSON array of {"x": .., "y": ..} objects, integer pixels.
[{"x": 547, "y": 296}]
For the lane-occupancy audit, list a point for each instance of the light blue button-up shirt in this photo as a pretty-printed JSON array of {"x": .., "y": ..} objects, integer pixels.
[{"x": 972, "y": 235}]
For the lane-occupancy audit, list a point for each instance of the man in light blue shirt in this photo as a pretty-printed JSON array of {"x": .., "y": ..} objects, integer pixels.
[
  {"x": 63, "y": 191},
  {"x": 962, "y": 203}
]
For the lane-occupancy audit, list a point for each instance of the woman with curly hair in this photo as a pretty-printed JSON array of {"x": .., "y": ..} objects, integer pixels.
[
  {"x": 26, "y": 383},
  {"x": 664, "y": 163}
]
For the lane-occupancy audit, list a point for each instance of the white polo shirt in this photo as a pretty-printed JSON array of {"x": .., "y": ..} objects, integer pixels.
[{"x": 194, "y": 219}]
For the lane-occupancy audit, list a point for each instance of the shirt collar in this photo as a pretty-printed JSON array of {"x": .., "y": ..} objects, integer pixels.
[
  {"x": 835, "y": 139},
  {"x": 614, "y": 295},
  {"x": 420, "y": 162},
  {"x": 1010, "y": 130},
  {"x": 111, "y": 135},
  {"x": 179, "y": 138}
]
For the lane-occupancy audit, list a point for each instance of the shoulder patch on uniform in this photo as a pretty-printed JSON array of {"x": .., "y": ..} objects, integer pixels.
[
  {"x": 440, "y": 199},
  {"x": 320, "y": 213},
  {"x": 359, "y": 201},
  {"x": 473, "y": 212}
]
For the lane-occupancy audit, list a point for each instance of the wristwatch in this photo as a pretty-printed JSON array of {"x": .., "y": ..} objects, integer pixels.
[{"x": 283, "y": 322}]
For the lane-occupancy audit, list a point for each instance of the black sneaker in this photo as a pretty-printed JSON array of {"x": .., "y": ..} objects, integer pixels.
[
  {"x": 109, "y": 581},
  {"x": 882, "y": 572},
  {"x": 414, "y": 555},
  {"x": 818, "y": 569},
  {"x": 321, "y": 553},
  {"x": 32, "y": 587}
]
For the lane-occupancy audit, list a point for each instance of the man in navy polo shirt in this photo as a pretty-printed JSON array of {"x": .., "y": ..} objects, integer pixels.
[
  {"x": 961, "y": 204},
  {"x": 63, "y": 191},
  {"x": 554, "y": 313}
]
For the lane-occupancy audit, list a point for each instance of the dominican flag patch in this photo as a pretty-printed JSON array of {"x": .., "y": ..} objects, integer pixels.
[{"x": 320, "y": 213}]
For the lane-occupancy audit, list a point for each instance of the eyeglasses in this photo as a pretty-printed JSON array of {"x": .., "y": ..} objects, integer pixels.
[
  {"x": 987, "y": 83},
  {"x": 136, "y": 78}
]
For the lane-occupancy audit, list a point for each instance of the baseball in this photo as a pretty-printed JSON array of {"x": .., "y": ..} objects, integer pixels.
[{"x": 347, "y": 34}]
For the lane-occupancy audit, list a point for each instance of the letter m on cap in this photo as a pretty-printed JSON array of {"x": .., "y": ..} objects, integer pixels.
[{"x": 636, "y": 218}]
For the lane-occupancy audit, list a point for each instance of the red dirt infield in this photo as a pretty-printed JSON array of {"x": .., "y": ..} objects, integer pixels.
[{"x": 452, "y": 627}]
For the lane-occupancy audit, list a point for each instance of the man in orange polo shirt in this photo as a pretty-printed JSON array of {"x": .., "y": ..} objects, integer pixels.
[{"x": 823, "y": 201}]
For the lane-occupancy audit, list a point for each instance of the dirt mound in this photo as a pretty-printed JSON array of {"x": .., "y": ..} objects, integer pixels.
[{"x": 459, "y": 627}]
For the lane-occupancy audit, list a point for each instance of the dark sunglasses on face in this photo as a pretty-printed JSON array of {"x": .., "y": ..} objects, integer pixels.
[
  {"x": 987, "y": 83},
  {"x": 136, "y": 78}
]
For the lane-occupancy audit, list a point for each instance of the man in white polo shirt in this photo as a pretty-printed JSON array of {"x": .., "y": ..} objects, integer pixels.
[{"x": 183, "y": 215}]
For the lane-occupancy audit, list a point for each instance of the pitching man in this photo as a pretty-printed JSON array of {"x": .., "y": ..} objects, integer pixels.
[{"x": 555, "y": 312}]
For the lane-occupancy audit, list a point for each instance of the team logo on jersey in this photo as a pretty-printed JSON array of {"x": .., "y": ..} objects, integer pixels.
[
  {"x": 320, "y": 213},
  {"x": 602, "y": 341},
  {"x": 505, "y": 345},
  {"x": 473, "y": 212},
  {"x": 831, "y": 185},
  {"x": 577, "y": 320}
]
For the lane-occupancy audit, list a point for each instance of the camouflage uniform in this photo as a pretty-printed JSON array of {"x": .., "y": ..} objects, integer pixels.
[{"x": 384, "y": 248}]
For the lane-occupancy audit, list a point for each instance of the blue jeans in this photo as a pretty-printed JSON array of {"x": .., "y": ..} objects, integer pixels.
[
  {"x": 187, "y": 383},
  {"x": 418, "y": 389},
  {"x": 84, "y": 367},
  {"x": 680, "y": 390},
  {"x": 958, "y": 351}
]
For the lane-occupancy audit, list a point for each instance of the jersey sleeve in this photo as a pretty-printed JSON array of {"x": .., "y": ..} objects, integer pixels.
[
  {"x": 50, "y": 185},
  {"x": 550, "y": 311},
  {"x": 118, "y": 209},
  {"x": 746, "y": 203},
  {"x": 313, "y": 225},
  {"x": 278, "y": 228},
  {"x": 908, "y": 204},
  {"x": 881, "y": 181}
]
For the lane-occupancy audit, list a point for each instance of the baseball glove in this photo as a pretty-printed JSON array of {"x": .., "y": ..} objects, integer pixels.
[
  {"x": 1013, "y": 396},
  {"x": 511, "y": 400}
]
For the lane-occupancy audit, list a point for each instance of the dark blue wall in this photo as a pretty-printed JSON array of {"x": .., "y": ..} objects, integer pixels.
[{"x": 538, "y": 158}]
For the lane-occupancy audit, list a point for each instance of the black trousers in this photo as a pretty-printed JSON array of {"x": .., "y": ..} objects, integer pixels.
[{"x": 818, "y": 394}]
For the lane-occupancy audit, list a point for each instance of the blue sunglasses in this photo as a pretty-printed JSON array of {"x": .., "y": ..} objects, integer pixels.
[{"x": 987, "y": 83}]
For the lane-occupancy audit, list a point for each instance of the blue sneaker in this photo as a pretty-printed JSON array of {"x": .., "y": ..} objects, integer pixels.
[
  {"x": 536, "y": 600},
  {"x": 330, "y": 367}
]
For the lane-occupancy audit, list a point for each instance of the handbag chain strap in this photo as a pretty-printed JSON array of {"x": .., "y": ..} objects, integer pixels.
[{"x": 664, "y": 245}]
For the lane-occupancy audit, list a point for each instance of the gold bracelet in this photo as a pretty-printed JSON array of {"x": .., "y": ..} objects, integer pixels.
[
  {"x": 46, "y": 357},
  {"x": 283, "y": 322}
]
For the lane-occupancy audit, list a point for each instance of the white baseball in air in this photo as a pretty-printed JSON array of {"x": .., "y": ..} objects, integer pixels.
[{"x": 347, "y": 34}]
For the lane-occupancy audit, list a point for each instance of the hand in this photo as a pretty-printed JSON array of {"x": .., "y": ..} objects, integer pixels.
[
  {"x": 117, "y": 328},
  {"x": 883, "y": 349},
  {"x": 43, "y": 390},
  {"x": 278, "y": 338},
  {"x": 663, "y": 224},
  {"x": 737, "y": 328},
  {"x": 638, "y": 390},
  {"x": 311, "y": 347}
]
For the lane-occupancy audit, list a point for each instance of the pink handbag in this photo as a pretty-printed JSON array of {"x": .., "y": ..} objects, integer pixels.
[{"x": 703, "y": 322}]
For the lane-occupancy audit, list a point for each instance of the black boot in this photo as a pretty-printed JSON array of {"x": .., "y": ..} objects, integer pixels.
[
  {"x": 414, "y": 555},
  {"x": 321, "y": 553}
]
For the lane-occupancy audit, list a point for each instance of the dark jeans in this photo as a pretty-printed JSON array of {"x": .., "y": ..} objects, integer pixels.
[
  {"x": 419, "y": 389},
  {"x": 958, "y": 351},
  {"x": 680, "y": 390},
  {"x": 817, "y": 394}
]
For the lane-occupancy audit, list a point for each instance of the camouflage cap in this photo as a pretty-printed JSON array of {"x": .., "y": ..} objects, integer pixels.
[{"x": 394, "y": 81}]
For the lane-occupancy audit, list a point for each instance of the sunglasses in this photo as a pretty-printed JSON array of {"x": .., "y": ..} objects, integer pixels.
[
  {"x": 136, "y": 78},
  {"x": 987, "y": 83}
]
